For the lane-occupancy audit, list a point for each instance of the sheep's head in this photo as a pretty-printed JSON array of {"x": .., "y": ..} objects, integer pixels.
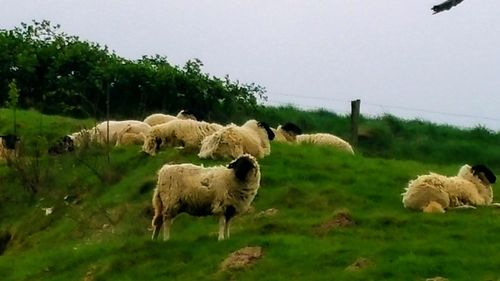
[
  {"x": 64, "y": 144},
  {"x": 483, "y": 173},
  {"x": 243, "y": 165},
  {"x": 265, "y": 126},
  {"x": 291, "y": 128}
]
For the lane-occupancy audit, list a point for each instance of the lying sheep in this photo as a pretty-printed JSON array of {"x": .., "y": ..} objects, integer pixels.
[
  {"x": 181, "y": 132},
  {"x": 8, "y": 146},
  {"x": 99, "y": 134},
  {"x": 435, "y": 193},
  {"x": 160, "y": 118},
  {"x": 286, "y": 133},
  {"x": 326, "y": 140},
  {"x": 220, "y": 191},
  {"x": 232, "y": 141}
]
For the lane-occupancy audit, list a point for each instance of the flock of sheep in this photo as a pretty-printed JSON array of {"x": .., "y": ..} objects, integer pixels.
[{"x": 226, "y": 191}]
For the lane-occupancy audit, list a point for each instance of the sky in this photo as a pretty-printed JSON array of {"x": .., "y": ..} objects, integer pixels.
[{"x": 395, "y": 56}]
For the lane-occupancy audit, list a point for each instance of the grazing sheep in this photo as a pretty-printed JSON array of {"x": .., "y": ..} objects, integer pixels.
[
  {"x": 133, "y": 134},
  {"x": 232, "y": 141},
  {"x": 8, "y": 146},
  {"x": 99, "y": 134},
  {"x": 287, "y": 132},
  {"x": 326, "y": 140},
  {"x": 435, "y": 193},
  {"x": 160, "y": 118},
  {"x": 219, "y": 191},
  {"x": 180, "y": 132}
]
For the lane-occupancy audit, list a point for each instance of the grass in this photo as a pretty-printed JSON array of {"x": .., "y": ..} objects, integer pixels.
[{"x": 102, "y": 231}]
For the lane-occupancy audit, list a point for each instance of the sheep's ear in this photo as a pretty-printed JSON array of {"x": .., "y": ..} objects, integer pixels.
[
  {"x": 481, "y": 169},
  {"x": 290, "y": 127},
  {"x": 270, "y": 133},
  {"x": 241, "y": 166}
]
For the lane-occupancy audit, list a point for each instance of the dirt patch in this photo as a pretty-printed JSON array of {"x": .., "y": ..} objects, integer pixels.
[
  {"x": 359, "y": 264},
  {"x": 5, "y": 238},
  {"x": 242, "y": 258},
  {"x": 341, "y": 219}
]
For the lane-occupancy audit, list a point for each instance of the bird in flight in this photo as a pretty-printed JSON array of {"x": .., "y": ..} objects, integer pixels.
[{"x": 446, "y": 5}]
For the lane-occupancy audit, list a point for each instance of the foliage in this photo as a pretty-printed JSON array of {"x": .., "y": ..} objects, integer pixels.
[{"x": 61, "y": 74}]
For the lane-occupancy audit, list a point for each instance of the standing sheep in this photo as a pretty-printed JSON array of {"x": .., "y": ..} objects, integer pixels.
[
  {"x": 435, "y": 193},
  {"x": 326, "y": 140},
  {"x": 287, "y": 133},
  {"x": 160, "y": 118},
  {"x": 186, "y": 133},
  {"x": 220, "y": 191},
  {"x": 232, "y": 141}
]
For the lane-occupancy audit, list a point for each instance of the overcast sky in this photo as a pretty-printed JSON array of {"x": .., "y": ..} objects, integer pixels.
[{"x": 393, "y": 55}]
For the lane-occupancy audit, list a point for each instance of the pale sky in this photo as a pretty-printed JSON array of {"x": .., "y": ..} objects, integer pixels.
[{"x": 394, "y": 55}]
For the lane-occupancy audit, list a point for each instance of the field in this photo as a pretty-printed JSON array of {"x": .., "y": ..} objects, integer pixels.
[{"x": 318, "y": 211}]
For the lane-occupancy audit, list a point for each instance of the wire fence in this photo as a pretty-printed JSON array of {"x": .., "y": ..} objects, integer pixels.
[{"x": 344, "y": 106}]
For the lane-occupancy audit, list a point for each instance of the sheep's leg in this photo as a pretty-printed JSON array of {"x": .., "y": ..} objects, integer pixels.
[
  {"x": 433, "y": 207},
  {"x": 464, "y": 207},
  {"x": 166, "y": 228},
  {"x": 222, "y": 227},
  {"x": 226, "y": 229},
  {"x": 228, "y": 214},
  {"x": 157, "y": 223}
]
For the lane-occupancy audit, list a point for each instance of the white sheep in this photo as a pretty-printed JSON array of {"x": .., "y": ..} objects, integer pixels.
[
  {"x": 180, "y": 132},
  {"x": 325, "y": 139},
  {"x": 99, "y": 134},
  {"x": 160, "y": 118},
  {"x": 435, "y": 193},
  {"x": 232, "y": 141},
  {"x": 133, "y": 133},
  {"x": 286, "y": 133},
  {"x": 199, "y": 191}
]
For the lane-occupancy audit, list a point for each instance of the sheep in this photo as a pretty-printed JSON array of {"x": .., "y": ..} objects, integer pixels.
[
  {"x": 9, "y": 146},
  {"x": 435, "y": 192},
  {"x": 232, "y": 141},
  {"x": 286, "y": 133},
  {"x": 160, "y": 118},
  {"x": 181, "y": 132},
  {"x": 326, "y": 140},
  {"x": 220, "y": 191},
  {"x": 133, "y": 133}
]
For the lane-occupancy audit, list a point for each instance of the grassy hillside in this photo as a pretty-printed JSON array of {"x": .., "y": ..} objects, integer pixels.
[{"x": 99, "y": 227}]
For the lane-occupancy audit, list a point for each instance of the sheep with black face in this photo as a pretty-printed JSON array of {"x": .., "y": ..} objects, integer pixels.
[
  {"x": 253, "y": 138},
  {"x": 201, "y": 191},
  {"x": 436, "y": 193}
]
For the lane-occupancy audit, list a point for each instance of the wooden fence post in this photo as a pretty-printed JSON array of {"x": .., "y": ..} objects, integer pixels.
[{"x": 355, "y": 105}]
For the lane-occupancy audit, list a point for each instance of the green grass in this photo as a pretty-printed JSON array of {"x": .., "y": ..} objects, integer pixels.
[{"x": 103, "y": 232}]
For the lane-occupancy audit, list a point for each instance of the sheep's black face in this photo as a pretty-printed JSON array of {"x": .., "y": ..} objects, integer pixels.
[
  {"x": 241, "y": 166},
  {"x": 485, "y": 171},
  {"x": 10, "y": 141},
  {"x": 157, "y": 144},
  {"x": 65, "y": 144},
  {"x": 270, "y": 133},
  {"x": 290, "y": 127}
]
